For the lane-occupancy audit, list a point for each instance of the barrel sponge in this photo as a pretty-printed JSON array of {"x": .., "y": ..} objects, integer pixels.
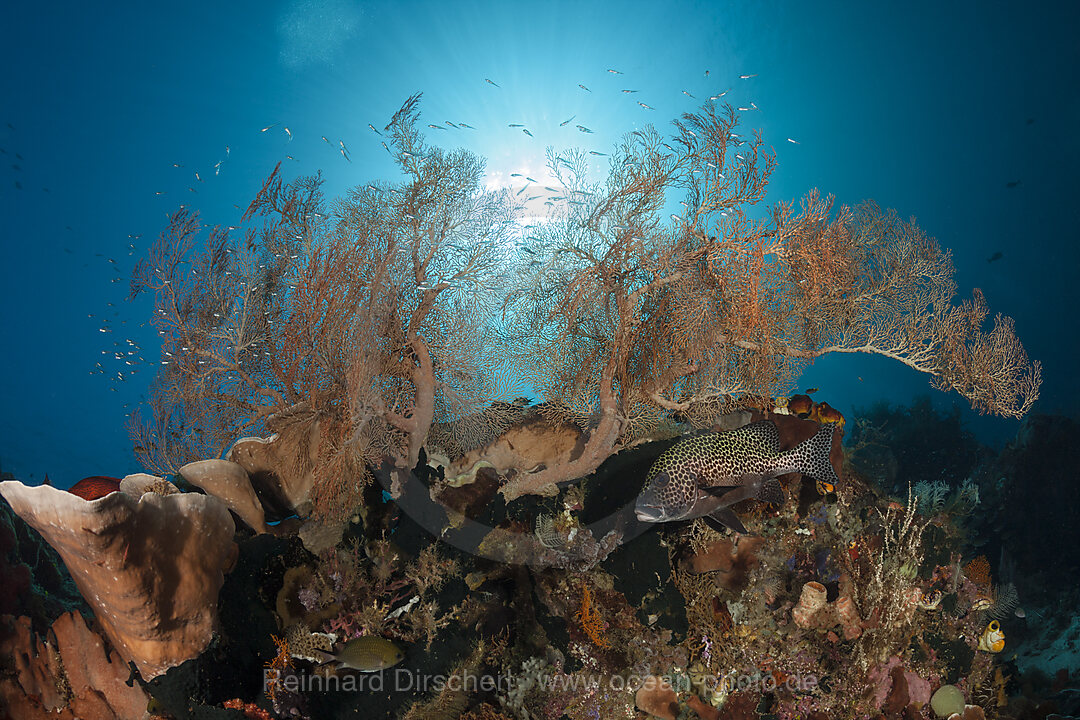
[
  {"x": 228, "y": 482},
  {"x": 150, "y": 561}
]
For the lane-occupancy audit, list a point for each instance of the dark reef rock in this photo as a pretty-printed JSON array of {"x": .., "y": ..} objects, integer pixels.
[
  {"x": 35, "y": 581},
  {"x": 913, "y": 444},
  {"x": 1040, "y": 498},
  {"x": 233, "y": 664}
]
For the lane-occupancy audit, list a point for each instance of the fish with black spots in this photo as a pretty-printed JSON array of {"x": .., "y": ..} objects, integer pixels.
[{"x": 702, "y": 476}]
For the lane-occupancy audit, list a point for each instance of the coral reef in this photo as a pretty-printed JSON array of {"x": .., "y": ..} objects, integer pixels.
[
  {"x": 228, "y": 482},
  {"x": 69, "y": 675},
  {"x": 350, "y": 595},
  {"x": 701, "y": 316},
  {"x": 900, "y": 445},
  {"x": 401, "y": 490},
  {"x": 36, "y": 583},
  {"x": 1025, "y": 482},
  {"x": 280, "y": 466},
  {"x": 848, "y": 604},
  {"x": 150, "y": 565}
]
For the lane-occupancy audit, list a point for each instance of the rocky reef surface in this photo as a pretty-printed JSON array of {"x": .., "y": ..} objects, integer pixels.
[{"x": 928, "y": 582}]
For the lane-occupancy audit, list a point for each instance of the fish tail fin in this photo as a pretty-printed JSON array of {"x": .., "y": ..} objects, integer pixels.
[{"x": 812, "y": 456}]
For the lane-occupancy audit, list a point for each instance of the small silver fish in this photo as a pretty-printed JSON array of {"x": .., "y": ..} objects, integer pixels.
[
  {"x": 584, "y": 88},
  {"x": 489, "y": 81},
  {"x": 647, "y": 107},
  {"x": 567, "y": 121},
  {"x": 372, "y": 130}
]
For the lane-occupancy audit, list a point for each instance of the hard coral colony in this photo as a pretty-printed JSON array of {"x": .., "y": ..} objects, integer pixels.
[{"x": 405, "y": 517}]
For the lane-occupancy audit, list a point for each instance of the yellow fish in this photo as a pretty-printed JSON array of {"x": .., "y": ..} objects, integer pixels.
[
  {"x": 992, "y": 639},
  {"x": 366, "y": 654}
]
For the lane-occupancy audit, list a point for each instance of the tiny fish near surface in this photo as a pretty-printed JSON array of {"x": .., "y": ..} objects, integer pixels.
[{"x": 704, "y": 475}]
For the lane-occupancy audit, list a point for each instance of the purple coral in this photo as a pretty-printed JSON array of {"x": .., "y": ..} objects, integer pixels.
[{"x": 310, "y": 599}]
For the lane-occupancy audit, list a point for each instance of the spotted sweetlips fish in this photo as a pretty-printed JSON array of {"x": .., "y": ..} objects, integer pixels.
[{"x": 704, "y": 475}]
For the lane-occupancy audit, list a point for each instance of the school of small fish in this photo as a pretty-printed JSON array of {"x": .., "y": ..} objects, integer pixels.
[{"x": 129, "y": 353}]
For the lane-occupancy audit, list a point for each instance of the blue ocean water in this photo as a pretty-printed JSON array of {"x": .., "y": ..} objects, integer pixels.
[{"x": 962, "y": 115}]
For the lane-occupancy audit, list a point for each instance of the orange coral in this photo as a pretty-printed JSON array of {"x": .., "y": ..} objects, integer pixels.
[
  {"x": 590, "y": 620},
  {"x": 978, "y": 571},
  {"x": 827, "y": 415},
  {"x": 250, "y": 710},
  {"x": 1001, "y": 698},
  {"x": 69, "y": 673},
  {"x": 800, "y": 405},
  {"x": 280, "y": 662}
]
